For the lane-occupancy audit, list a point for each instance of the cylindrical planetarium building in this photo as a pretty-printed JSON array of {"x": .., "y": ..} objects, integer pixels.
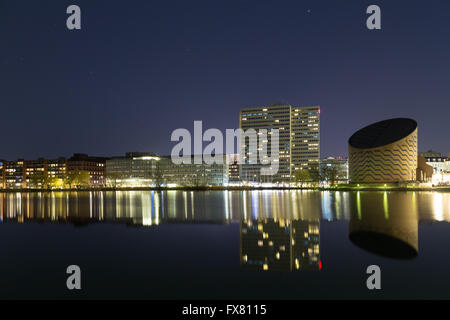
[{"x": 384, "y": 151}]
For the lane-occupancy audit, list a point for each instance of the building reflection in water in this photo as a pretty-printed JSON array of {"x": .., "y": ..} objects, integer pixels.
[
  {"x": 280, "y": 245},
  {"x": 150, "y": 208},
  {"x": 382, "y": 222},
  {"x": 140, "y": 208},
  {"x": 335, "y": 205},
  {"x": 280, "y": 231},
  {"x": 434, "y": 206},
  {"x": 385, "y": 223}
]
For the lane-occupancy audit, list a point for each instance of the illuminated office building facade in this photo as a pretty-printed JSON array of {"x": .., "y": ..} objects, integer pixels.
[
  {"x": 299, "y": 140},
  {"x": 34, "y": 172},
  {"x": 40, "y": 170},
  {"x": 2, "y": 175},
  {"x": 135, "y": 169},
  {"x": 305, "y": 137},
  {"x": 139, "y": 169},
  {"x": 96, "y": 166},
  {"x": 334, "y": 169},
  {"x": 14, "y": 176},
  {"x": 57, "y": 168},
  {"x": 436, "y": 160},
  {"x": 266, "y": 118},
  {"x": 39, "y": 173},
  {"x": 194, "y": 174},
  {"x": 233, "y": 168}
]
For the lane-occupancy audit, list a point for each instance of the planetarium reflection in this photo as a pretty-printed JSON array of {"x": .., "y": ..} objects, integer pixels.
[{"x": 385, "y": 224}]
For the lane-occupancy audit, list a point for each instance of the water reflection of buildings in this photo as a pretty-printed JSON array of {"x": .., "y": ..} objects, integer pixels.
[
  {"x": 286, "y": 223},
  {"x": 150, "y": 208},
  {"x": 280, "y": 230},
  {"x": 434, "y": 206},
  {"x": 280, "y": 245},
  {"x": 140, "y": 208},
  {"x": 385, "y": 225},
  {"x": 335, "y": 205},
  {"x": 154, "y": 207}
]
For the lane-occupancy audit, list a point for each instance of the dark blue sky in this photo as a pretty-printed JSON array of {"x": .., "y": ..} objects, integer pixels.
[{"x": 140, "y": 69}]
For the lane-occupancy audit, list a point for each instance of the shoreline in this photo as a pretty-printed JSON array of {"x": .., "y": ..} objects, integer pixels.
[{"x": 231, "y": 188}]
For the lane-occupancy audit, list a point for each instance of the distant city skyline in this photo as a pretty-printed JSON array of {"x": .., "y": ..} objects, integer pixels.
[{"x": 137, "y": 71}]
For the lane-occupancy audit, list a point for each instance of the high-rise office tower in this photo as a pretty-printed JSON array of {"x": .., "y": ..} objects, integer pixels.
[
  {"x": 266, "y": 118},
  {"x": 305, "y": 137},
  {"x": 299, "y": 140}
]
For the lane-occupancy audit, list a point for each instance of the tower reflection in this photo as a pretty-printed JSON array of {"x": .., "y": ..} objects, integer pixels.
[
  {"x": 280, "y": 231},
  {"x": 385, "y": 223},
  {"x": 280, "y": 245}
]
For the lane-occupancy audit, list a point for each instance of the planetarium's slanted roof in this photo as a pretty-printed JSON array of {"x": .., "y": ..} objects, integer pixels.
[{"x": 382, "y": 133}]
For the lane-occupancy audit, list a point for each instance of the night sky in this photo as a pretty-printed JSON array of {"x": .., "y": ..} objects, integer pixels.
[{"x": 140, "y": 69}]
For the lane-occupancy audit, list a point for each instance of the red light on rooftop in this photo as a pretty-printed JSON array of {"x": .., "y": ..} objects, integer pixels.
[
  {"x": 320, "y": 264},
  {"x": 319, "y": 110}
]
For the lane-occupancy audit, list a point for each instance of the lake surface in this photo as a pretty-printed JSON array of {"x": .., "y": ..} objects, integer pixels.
[{"x": 265, "y": 244}]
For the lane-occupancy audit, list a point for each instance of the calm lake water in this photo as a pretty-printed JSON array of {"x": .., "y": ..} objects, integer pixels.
[{"x": 225, "y": 244}]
